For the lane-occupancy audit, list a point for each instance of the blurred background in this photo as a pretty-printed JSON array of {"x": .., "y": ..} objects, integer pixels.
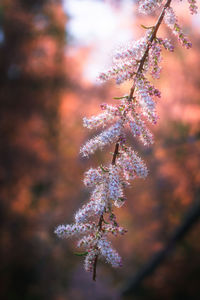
[{"x": 51, "y": 52}]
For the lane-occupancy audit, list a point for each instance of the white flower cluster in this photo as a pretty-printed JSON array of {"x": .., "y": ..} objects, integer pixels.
[
  {"x": 149, "y": 6},
  {"x": 145, "y": 100},
  {"x": 135, "y": 62},
  {"x": 139, "y": 128},
  {"x": 100, "y": 141},
  {"x": 155, "y": 59},
  {"x": 193, "y": 6},
  {"x": 94, "y": 241},
  {"x": 132, "y": 165},
  {"x": 108, "y": 183},
  {"x": 110, "y": 112},
  {"x": 171, "y": 21},
  {"x": 126, "y": 61},
  {"x": 70, "y": 230}
]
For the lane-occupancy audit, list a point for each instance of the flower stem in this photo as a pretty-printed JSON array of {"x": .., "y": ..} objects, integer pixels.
[
  {"x": 115, "y": 153},
  {"x": 96, "y": 257},
  {"x": 101, "y": 217}
]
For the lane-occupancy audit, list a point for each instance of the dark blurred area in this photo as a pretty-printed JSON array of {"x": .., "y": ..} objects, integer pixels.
[
  {"x": 32, "y": 77},
  {"x": 42, "y": 101}
]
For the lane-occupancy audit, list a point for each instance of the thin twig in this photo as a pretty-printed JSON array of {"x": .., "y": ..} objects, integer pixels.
[
  {"x": 115, "y": 153},
  {"x": 153, "y": 35},
  {"x": 96, "y": 257},
  {"x": 101, "y": 217}
]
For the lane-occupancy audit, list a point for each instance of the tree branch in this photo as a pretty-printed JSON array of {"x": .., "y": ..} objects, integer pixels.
[{"x": 191, "y": 218}]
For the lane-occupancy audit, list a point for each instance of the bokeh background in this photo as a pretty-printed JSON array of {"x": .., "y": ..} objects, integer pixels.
[{"x": 50, "y": 54}]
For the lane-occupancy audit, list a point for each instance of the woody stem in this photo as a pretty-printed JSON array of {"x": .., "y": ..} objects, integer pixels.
[{"x": 101, "y": 216}]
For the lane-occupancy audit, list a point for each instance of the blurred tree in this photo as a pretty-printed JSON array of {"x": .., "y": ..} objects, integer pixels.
[{"x": 32, "y": 78}]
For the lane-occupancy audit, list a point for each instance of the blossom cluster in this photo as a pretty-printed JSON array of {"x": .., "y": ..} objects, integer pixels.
[
  {"x": 193, "y": 6},
  {"x": 95, "y": 221},
  {"x": 171, "y": 21},
  {"x": 149, "y": 6}
]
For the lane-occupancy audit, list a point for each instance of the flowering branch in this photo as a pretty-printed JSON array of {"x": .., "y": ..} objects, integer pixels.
[
  {"x": 153, "y": 35},
  {"x": 151, "y": 39},
  {"x": 135, "y": 62}
]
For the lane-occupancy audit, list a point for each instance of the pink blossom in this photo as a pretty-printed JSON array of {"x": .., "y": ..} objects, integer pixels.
[
  {"x": 93, "y": 177},
  {"x": 138, "y": 128},
  {"x": 171, "y": 21},
  {"x": 109, "y": 253},
  {"x": 148, "y": 6},
  {"x": 193, "y": 6},
  {"x": 106, "y": 137},
  {"x": 131, "y": 164},
  {"x": 114, "y": 184},
  {"x": 110, "y": 112},
  {"x": 64, "y": 231},
  {"x": 89, "y": 260}
]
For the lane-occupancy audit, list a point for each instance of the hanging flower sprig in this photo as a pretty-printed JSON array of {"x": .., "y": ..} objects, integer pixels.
[{"x": 133, "y": 111}]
